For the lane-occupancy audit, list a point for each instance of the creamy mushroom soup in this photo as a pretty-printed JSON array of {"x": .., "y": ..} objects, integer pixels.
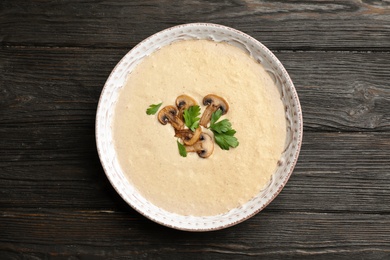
[{"x": 147, "y": 150}]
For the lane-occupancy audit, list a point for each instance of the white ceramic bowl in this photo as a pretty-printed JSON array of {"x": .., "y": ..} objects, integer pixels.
[{"x": 104, "y": 117}]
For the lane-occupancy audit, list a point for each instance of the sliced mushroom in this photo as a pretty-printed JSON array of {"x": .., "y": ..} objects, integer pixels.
[
  {"x": 184, "y": 133},
  {"x": 204, "y": 147},
  {"x": 213, "y": 103},
  {"x": 189, "y": 137},
  {"x": 169, "y": 115},
  {"x": 183, "y": 102}
]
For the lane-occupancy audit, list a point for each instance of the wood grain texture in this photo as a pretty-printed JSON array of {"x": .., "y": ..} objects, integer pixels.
[
  {"x": 346, "y": 91},
  {"x": 292, "y": 25},
  {"x": 113, "y": 235},
  {"x": 336, "y": 172},
  {"x": 55, "y": 200}
]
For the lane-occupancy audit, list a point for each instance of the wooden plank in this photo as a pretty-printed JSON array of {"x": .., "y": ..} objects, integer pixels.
[
  {"x": 297, "y": 25},
  {"x": 341, "y": 90},
  {"x": 61, "y": 86},
  {"x": 346, "y": 172},
  {"x": 336, "y": 172},
  {"x": 104, "y": 234},
  {"x": 55, "y": 200}
]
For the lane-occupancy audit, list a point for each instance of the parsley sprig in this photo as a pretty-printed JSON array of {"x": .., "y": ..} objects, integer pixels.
[
  {"x": 223, "y": 131},
  {"x": 191, "y": 117},
  {"x": 182, "y": 149},
  {"x": 153, "y": 109}
]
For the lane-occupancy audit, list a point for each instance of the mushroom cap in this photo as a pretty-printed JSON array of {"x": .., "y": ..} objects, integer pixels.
[
  {"x": 216, "y": 102},
  {"x": 166, "y": 114},
  {"x": 169, "y": 115},
  {"x": 206, "y": 145},
  {"x": 213, "y": 103},
  {"x": 184, "y": 102}
]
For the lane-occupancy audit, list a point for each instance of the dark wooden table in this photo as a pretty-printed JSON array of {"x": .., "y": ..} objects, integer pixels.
[{"x": 55, "y": 200}]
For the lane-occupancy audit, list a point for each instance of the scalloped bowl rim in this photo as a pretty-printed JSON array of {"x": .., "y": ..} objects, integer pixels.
[{"x": 116, "y": 80}]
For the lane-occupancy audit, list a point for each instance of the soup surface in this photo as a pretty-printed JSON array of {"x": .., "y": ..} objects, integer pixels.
[{"x": 147, "y": 150}]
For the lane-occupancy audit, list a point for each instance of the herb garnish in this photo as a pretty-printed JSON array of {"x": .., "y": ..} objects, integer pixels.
[
  {"x": 189, "y": 125},
  {"x": 223, "y": 131},
  {"x": 153, "y": 109},
  {"x": 191, "y": 117},
  {"x": 182, "y": 149}
]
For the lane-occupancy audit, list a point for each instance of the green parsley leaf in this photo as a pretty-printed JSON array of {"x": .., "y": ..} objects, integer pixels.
[
  {"x": 194, "y": 125},
  {"x": 215, "y": 116},
  {"x": 231, "y": 132},
  {"x": 223, "y": 131},
  {"x": 222, "y": 126},
  {"x": 153, "y": 109},
  {"x": 182, "y": 149},
  {"x": 225, "y": 141},
  {"x": 191, "y": 117},
  {"x": 221, "y": 142},
  {"x": 231, "y": 140}
]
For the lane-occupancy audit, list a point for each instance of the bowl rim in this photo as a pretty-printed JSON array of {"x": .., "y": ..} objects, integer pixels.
[{"x": 298, "y": 140}]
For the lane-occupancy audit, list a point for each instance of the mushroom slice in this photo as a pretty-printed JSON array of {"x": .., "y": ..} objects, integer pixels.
[
  {"x": 204, "y": 147},
  {"x": 169, "y": 115},
  {"x": 195, "y": 137},
  {"x": 213, "y": 103},
  {"x": 189, "y": 137},
  {"x": 184, "y": 133},
  {"x": 184, "y": 102}
]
